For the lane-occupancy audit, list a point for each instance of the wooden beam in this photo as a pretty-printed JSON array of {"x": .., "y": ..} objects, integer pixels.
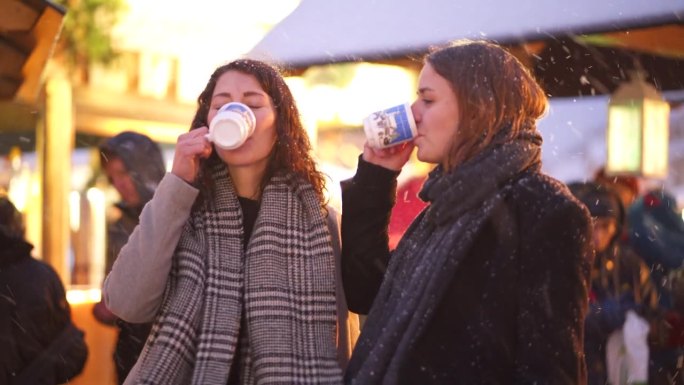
[
  {"x": 8, "y": 87},
  {"x": 12, "y": 60},
  {"x": 103, "y": 113},
  {"x": 55, "y": 147},
  {"x": 132, "y": 106},
  {"x": 108, "y": 126},
  {"x": 17, "y": 117},
  {"x": 16, "y": 16},
  {"x": 46, "y": 32},
  {"x": 666, "y": 40}
]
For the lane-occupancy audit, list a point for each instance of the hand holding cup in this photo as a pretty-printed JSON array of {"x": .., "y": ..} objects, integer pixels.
[
  {"x": 389, "y": 136},
  {"x": 191, "y": 147}
]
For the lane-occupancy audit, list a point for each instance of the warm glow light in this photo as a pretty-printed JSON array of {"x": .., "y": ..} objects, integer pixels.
[
  {"x": 373, "y": 87},
  {"x": 109, "y": 126},
  {"x": 15, "y": 157},
  {"x": 299, "y": 90},
  {"x": 200, "y": 37},
  {"x": 656, "y": 115},
  {"x": 81, "y": 296},
  {"x": 19, "y": 188},
  {"x": 34, "y": 212},
  {"x": 324, "y": 100},
  {"x": 193, "y": 74},
  {"x": 95, "y": 196},
  {"x": 155, "y": 74},
  {"x": 624, "y": 138},
  {"x": 97, "y": 202},
  {"x": 638, "y": 130},
  {"x": 74, "y": 210}
]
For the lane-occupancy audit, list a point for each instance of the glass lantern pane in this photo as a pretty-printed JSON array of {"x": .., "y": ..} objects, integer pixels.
[
  {"x": 624, "y": 138},
  {"x": 656, "y": 138}
]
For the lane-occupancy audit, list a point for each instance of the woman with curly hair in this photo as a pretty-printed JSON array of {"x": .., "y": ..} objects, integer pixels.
[{"x": 235, "y": 256}]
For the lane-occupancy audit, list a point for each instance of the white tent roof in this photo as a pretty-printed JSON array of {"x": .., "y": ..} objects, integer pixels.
[
  {"x": 323, "y": 31},
  {"x": 574, "y": 146}
]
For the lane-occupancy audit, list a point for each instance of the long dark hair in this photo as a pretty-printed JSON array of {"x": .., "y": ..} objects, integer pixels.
[
  {"x": 292, "y": 150},
  {"x": 495, "y": 92}
]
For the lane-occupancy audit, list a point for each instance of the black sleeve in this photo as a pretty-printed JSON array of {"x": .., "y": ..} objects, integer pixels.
[
  {"x": 67, "y": 353},
  {"x": 64, "y": 354},
  {"x": 9, "y": 359},
  {"x": 63, "y": 360},
  {"x": 367, "y": 201}
]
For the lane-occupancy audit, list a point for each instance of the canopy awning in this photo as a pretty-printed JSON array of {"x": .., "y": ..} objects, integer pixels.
[
  {"x": 324, "y": 31},
  {"x": 28, "y": 32}
]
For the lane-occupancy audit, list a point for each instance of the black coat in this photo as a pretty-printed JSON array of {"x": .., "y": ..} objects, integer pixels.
[
  {"x": 514, "y": 310},
  {"x": 38, "y": 342}
]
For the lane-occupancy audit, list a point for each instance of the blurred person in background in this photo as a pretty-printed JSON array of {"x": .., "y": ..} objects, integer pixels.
[
  {"x": 489, "y": 284},
  {"x": 620, "y": 280},
  {"x": 626, "y": 186},
  {"x": 39, "y": 344},
  {"x": 656, "y": 232},
  {"x": 408, "y": 206},
  {"x": 134, "y": 166},
  {"x": 235, "y": 258}
]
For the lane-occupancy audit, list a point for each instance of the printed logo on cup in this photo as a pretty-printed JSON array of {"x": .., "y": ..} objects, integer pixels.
[
  {"x": 390, "y": 126},
  {"x": 232, "y": 125}
]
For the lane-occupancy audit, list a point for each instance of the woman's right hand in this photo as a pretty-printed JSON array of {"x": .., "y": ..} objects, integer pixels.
[
  {"x": 191, "y": 147},
  {"x": 392, "y": 158}
]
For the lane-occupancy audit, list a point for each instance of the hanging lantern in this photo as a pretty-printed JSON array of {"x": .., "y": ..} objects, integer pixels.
[{"x": 638, "y": 130}]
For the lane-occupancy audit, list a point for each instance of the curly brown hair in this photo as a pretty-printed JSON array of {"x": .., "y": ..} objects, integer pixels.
[
  {"x": 292, "y": 151},
  {"x": 494, "y": 91}
]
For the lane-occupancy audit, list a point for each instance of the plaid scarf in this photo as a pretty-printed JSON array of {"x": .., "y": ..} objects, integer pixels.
[
  {"x": 281, "y": 290},
  {"x": 422, "y": 266}
]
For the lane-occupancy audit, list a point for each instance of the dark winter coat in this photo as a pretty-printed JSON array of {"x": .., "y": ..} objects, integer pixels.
[
  {"x": 145, "y": 164},
  {"x": 39, "y": 345},
  {"x": 514, "y": 309}
]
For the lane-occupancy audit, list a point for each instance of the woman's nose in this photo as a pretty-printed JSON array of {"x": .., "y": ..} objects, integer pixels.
[{"x": 416, "y": 114}]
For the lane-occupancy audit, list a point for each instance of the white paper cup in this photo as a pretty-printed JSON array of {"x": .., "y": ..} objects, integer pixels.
[
  {"x": 232, "y": 125},
  {"x": 390, "y": 126}
]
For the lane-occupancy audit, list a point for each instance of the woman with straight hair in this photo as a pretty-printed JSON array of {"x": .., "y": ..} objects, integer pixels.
[{"x": 489, "y": 284}]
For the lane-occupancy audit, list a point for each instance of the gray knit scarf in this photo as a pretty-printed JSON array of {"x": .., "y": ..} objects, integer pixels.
[
  {"x": 421, "y": 267},
  {"x": 281, "y": 290}
]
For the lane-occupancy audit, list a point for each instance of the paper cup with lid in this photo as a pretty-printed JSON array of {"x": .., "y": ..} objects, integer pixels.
[
  {"x": 390, "y": 127},
  {"x": 231, "y": 126}
]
